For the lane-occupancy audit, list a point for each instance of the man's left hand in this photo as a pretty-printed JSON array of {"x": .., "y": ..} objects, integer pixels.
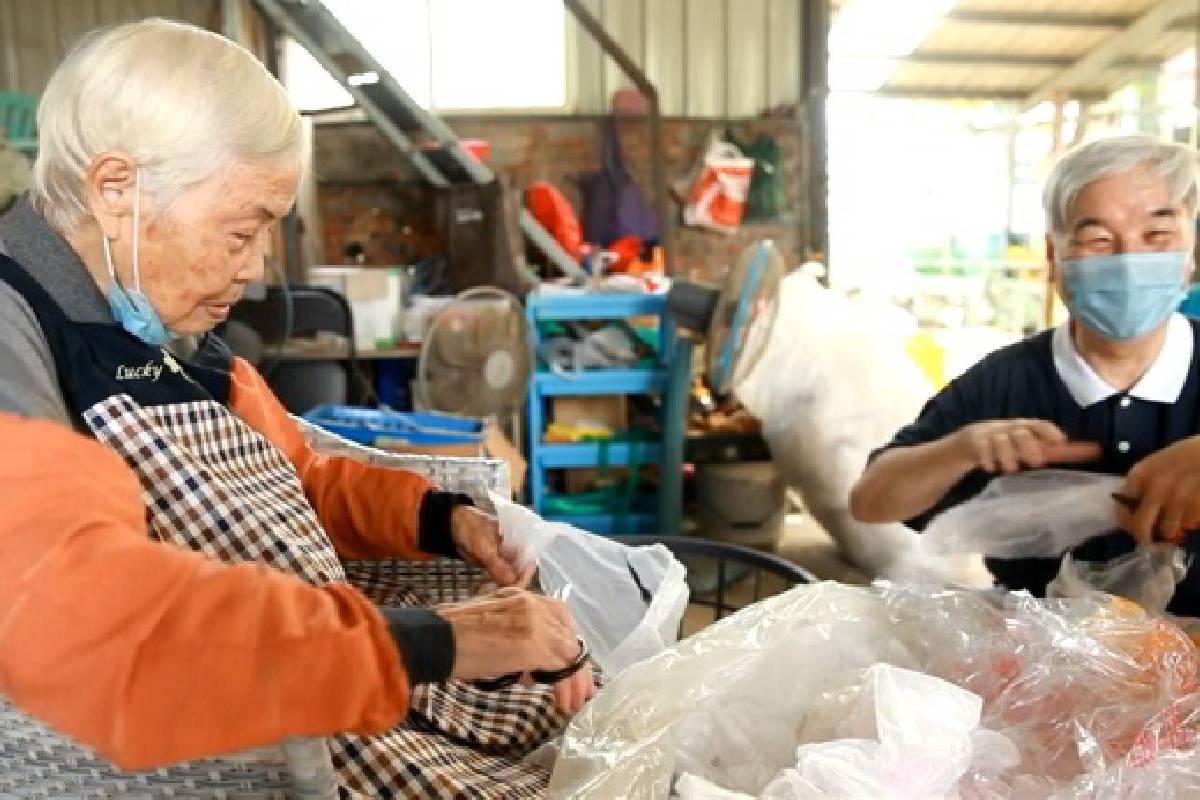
[
  {"x": 1166, "y": 485},
  {"x": 476, "y": 534}
]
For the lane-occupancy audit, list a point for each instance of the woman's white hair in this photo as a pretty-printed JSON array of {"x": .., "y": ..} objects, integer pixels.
[
  {"x": 1176, "y": 163},
  {"x": 181, "y": 101}
]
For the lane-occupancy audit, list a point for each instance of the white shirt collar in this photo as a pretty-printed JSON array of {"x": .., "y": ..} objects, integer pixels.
[{"x": 1162, "y": 383}]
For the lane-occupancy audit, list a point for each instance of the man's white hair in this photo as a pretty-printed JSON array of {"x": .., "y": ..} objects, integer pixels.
[
  {"x": 1176, "y": 163},
  {"x": 181, "y": 101}
]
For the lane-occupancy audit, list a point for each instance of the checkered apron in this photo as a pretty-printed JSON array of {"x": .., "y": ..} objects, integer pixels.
[{"x": 214, "y": 485}]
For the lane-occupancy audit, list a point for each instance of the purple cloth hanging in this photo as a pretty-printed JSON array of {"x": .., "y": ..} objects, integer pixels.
[{"x": 613, "y": 206}]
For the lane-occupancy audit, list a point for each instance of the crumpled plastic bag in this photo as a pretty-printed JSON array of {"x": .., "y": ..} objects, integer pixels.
[
  {"x": 833, "y": 384},
  {"x": 1041, "y": 513},
  {"x": 1148, "y": 576},
  {"x": 903, "y": 733},
  {"x": 609, "y": 347},
  {"x": 887, "y": 732},
  {"x": 1077, "y": 698},
  {"x": 627, "y": 602}
]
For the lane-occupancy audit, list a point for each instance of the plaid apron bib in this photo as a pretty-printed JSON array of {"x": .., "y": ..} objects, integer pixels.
[{"x": 214, "y": 485}]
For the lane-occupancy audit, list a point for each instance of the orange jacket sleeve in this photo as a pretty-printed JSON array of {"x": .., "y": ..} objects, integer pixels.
[
  {"x": 369, "y": 512},
  {"x": 152, "y": 654}
]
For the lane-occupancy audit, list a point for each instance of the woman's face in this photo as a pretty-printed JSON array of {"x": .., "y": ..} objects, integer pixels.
[{"x": 197, "y": 255}]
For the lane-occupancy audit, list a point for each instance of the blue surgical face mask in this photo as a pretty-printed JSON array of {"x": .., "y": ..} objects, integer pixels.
[
  {"x": 130, "y": 307},
  {"x": 1124, "y": 295}
]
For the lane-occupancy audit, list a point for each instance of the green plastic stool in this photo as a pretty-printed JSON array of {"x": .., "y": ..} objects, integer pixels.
[{"x": 18, "y": 119}]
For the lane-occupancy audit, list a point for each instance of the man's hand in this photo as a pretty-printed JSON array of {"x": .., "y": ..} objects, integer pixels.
[
  {"x": 1010, "y": 445},
  {"x": 1166, "y": 486},
  {"x": 476, "y": 534}
]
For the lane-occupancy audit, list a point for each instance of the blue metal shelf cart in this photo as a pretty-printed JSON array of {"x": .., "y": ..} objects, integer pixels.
[{"x": 669, "y": 377}]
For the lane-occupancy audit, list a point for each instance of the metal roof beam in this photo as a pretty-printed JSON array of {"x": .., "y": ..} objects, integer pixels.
[
  {"x": 1057, "y": 19},
  {"x": 967, "y": 93},
  {"x": 1013, "y": 60},
  {"x": 1149, "y": 24},
  {"x": 1048, "y": 20}
]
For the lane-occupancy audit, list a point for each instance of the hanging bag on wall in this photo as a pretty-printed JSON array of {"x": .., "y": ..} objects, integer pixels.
[
  {"x": 766, "y": 199},
  {"x": 718, "y": 197},
  {"x": 613, "y": 206}
]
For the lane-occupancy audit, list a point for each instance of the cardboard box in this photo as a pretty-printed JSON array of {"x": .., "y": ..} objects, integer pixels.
[{"x": 611, "y": 411}]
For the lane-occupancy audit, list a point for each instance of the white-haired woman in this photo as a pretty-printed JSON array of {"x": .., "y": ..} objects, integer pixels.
[
  {"x": 1115, "y": 390},
  {"x": 165, "y": 155}
]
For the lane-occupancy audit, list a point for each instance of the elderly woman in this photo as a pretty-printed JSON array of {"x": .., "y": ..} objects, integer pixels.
[
  {"x": 1115, "y": 390},
  {"x": 173, "y": 586}
]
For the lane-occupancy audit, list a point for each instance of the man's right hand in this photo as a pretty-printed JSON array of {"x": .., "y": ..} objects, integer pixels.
[
  {"x": 1011, "y": 445},
  {"x": 512, "y": 630}
]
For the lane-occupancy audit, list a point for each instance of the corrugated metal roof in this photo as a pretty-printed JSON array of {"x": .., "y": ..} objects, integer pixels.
[
  {"x": 1015, "y": 48},
  {"x": 1017, "y": 38}
]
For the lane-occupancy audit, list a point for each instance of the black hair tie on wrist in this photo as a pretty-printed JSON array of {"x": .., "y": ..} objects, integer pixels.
[{"x": 538, "y": 675}]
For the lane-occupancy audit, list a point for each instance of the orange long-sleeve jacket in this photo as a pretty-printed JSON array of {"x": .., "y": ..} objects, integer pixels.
[{"x": 152, "y": 654}]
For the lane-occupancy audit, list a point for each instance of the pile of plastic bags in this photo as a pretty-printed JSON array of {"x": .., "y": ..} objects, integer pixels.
[
  {"x": 900, "y": 691},
  {"x": 833, "y": 384}
]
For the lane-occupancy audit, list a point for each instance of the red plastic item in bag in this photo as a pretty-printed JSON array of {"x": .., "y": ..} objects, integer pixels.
[
  {"x": 718, "y": 197},
  {"x": 626, "y": 249},
  {"x": 553, "y": 210}
]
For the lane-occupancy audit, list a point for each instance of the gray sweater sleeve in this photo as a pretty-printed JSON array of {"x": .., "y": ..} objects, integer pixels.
[{"x": 28, "y": 379}]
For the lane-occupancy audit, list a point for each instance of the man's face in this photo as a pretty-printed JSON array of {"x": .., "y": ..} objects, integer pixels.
[{"x": 1130, "y": 212}]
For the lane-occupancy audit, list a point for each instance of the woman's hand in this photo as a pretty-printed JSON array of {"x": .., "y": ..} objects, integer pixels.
[
  {"x": 513, "y": 630},
  {"x": 477, "y": 536},
  {"x": 1166, "y": 487},
  {"x": 1010, "y": 445},
  {"x": 573, "y": 692}
]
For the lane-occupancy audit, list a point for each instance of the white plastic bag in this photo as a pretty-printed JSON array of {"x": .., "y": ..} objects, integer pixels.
[
  {"x": 1147, "y": 576},
  {"x": 905, "y": 733},
  {"x": 609, "y": 584},
  {"x": 691, "y": 787},
  {"x": 717, "y": 198},
  {"x": 833, "y": 384},
  {"x": 1042, "y": 513}
]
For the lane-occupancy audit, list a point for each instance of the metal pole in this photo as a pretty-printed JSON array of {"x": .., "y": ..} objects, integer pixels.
[
  {"x": 293, "y": 261},
  {"x": 816, "y": 91},
  {"x": 231, "y": 21},
  {"x": 657, "y": 160}
]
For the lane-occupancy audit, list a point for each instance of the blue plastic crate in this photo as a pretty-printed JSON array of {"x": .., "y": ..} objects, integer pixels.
[{"x": 368, "y": 425}]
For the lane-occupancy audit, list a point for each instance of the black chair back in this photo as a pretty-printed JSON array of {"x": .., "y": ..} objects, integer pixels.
[{"x": 300, "y": 383}]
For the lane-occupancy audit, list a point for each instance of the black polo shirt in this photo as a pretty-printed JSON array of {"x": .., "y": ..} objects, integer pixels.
[{"x": 1022, "y": 381}]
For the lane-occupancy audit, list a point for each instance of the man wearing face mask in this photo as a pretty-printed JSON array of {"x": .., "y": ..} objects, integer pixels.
[{"x": 1115, "y": 390}]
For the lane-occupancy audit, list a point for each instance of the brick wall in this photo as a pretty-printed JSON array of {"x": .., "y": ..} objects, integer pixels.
[{"x": 369, "y": 194}]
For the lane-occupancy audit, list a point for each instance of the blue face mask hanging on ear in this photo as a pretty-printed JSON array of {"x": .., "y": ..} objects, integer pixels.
[
  {"x": 130, "y": 307},
  {"x": 1125, "y": 295}
]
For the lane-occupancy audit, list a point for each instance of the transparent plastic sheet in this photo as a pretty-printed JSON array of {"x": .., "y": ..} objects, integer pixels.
[
  {"x": 1031, "y": 514},
  {"x": 834, "y": 382},
  {"x": 608, "y": 584},
  {"x": 1147, "y": 576},
  {"x": 984, "y": 695}
]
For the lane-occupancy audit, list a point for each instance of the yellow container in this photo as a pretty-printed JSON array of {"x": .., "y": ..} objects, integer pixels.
[{"x": 929, "y": 356}]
